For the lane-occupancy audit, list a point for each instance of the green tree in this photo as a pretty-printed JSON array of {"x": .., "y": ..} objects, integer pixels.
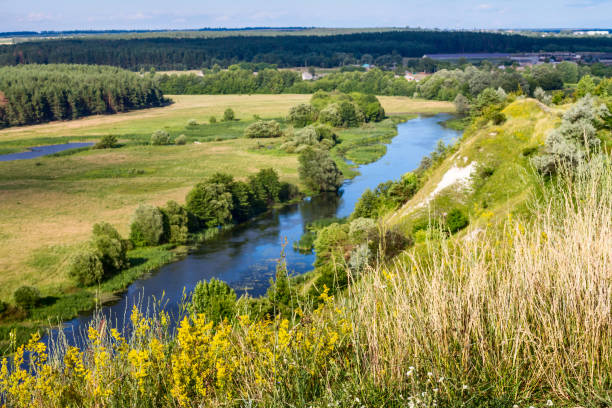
[
  {"x": 263, "y": 129},
  {"x": 302, "y": 115},
  {"x": 85, "y": 268},
  {"x": 318, "y": 171},
  {"x": 176, "y": 222},
  {"x": 26, "y": 297},
  {"x": 160, "y": 138},
  {"x": 147, "y": 227},
  {"x": 111, "y": 248},
  {"x": 228, "y": 115},
  {"x": 211, "y": 203}
]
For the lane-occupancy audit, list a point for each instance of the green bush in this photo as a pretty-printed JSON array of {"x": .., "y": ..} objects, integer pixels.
[
  {"x": 456, "y": 220},
  {"x": 266, "y": 186},
  {"x": 26, "y": 297},
  {"x": 318, "y": 171},
  {"x": 302, "y": 115},
  {"x": 192, "y": 122},
  {"x": 181, "y": 140},
  {"x": 288, "y": 192},
  {"x": 85, "y": 268},
  {"x": 160, "y": 138},
  {"x": 176, "y": 223},
  {"x": 212, "y": 120},
  {"x": 147, "y": 227},
  {"x": 228, "y": 115},
  {"x": 263, "y": 129},
  {"x": 110, "y": 247},
  {"x": 361, "y": 230},
  {"x": 390, "y": 242},
  {"x": 106, "y": 142},
  {"x": 215, "y": 299}
]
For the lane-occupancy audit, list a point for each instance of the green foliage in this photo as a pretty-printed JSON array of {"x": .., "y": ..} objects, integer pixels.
[
  {"x": 266, "y": 186},
  {"x": 181, "y": 140},
  {"x": 147, "y": 227},
  {"x": 576, "y": 137},
  {"x": 361, "y": 230},
  {"x": 211, "y": 203},
  {"x": 585, "y": 87},
  {"x": 40, "y": 93},
  {"x": 288, "y": 192},
  {"x": 318, "y": 171},
  {"x": 542, "y": 96},
  {"x": 176, "y": 223},
  {"x": 106, "y": 142},
  {"x": 215, "y": 299},
  {"x": 110, "y": 248},
  {"x": 245, "y": 204},
  {"x": 330, "y": 243},
  {"x": 160, "y": 138},
  {"x": 387, "y": 196},
  {"x": 370, "y": 106},
  {"x": 212, "y": 120},
  {"x": 281, "y": 298},
  {"x": 228, "y": 115},
  {"x": 456, "y": 220},
  {"x": 263, "y": 129},
  {"x": 26, "y": 297},
  {"x": 302, "y": 115},
  {"x": 85, "y": 268}
]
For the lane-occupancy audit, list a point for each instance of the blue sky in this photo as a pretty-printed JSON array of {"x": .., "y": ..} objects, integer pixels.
[{"x": 158, "y": 14}]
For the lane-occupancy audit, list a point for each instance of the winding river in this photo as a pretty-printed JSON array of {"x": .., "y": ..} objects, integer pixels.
[{"x": 245, "y": 257}]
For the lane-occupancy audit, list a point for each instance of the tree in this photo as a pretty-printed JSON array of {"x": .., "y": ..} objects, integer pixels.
[
  {"x": 228, "y": 115},
  {"x": 211, "y": 203},
  {"x": 106, "y": 142},
  {"x": 215, "y": 299},
  {"x": 110, "y": 248},
  {"x": 462, "y": 105},
  {"x": 318, "y": 171},
  {"x": 542, "y": 96},
  {"x": 147, "y": 227},
  {"x": 176, "y": 222},
  {"x": 302, "y": 115},
  {"x": 86, "y": 268},
  {"x": 266, "y": 186}
]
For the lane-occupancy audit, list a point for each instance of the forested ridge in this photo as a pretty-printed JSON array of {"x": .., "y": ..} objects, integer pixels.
[
  {"x": 285, "y": 51},
  {"x": 40, "y": 93}
]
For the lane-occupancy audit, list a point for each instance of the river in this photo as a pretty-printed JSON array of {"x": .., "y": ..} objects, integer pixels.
[{"x": 246, "y": 256}]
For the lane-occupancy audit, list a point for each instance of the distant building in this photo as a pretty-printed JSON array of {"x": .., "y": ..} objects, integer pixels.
[
  {"x": 307, "y": 76},
  {"x": 409, "y": 77}
]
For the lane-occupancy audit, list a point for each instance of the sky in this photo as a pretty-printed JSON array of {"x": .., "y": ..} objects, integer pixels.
[{"x": 37, "y": 15}]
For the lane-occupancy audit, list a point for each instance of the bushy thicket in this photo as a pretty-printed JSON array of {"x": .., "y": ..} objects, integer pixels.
[
  {"x": 576, "y": 138},
  {"x": 147, "y": 226},
  {"x": 263, "y": 129},
  {"x": 161, "y": 138},
  {"x": 319, "y": 136},
  {"x": 214, "y": 299},
  {"x": 26, "y": 297},
  {"x": 386, "y": 197},
  {"x": 40, "y": 93}
]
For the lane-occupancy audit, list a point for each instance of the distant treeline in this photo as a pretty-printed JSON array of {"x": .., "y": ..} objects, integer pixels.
[
  {"x": 285, "y": 51},
  {"x": 271, "y": 81},
  {"x": 40, "y": 93}
]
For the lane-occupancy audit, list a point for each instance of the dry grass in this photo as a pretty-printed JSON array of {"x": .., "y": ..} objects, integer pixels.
[{"x": 519, "y": 314}]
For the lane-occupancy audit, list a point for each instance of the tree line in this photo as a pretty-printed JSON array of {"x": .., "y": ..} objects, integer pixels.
[
  {"x": 285, "y": 51},
  {"x": 40, "y": 93},
  {"x": 237, "y": 80}
]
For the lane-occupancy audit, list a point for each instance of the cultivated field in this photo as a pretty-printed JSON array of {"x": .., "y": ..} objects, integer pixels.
[{"x": 48, "y": 205}]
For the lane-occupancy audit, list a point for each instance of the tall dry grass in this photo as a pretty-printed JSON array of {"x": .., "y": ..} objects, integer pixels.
[{"x": 520, "y": 313}]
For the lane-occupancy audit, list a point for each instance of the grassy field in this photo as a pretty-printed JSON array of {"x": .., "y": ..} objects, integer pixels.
[{"x": 48, "y": 205}]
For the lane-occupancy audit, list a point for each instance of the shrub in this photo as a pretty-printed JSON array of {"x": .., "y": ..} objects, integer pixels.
[
  {"x": 263, "y": 129},
  {"x": 212, "y": 120},
  {"x": 211, "y": 203},
  {"x": 86, "y": 268},
  {"x": 26, "y": 297},
  {"x": 176, "y": 223},
  {"x": 192, "y": 122},
  {"x": 390, "y": 242},
  {"x": 360, "y": 258},
  {"x": 228, "y": 115},
  {"x": 542, "y": 96},
  {"x": 330, "y": 243},
  {"x": 244, "y": 203},
  {"x": 302, "y": 115},
  {"x": 106, "y": 142},
  {"x": 361, "y": 229},
  {"x": 456, "y": 220},
  {"x": 181, "y": 140},
  {"x": 160, "y": 138},
  {"x": 367, "y": 205},
  {"x": 147, "y": 227},
  {"x": 110, "y": 248},
  {"x": 215, "y": 299},
  {"x": 318, "y": 171}
]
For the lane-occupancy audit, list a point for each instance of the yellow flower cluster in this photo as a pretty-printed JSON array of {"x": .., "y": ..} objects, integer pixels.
[{"x": 202, "y": 364}]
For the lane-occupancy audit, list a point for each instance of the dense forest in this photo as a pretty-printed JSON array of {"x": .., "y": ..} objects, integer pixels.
[
  {"x": 39, "y": 93},
  {"x": 285, "y": 51}
]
